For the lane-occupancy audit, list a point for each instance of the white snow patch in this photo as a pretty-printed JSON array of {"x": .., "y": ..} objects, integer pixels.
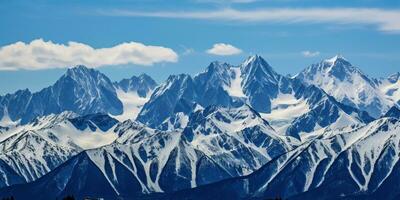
[
  {"x": 85, "y": 139},
  {"x": 6, "y": 120},
  {"x": 391, "y": 90},
  {"x": 284, "y": 109},
  {"x": 132, "y": 103},
  {"x": 235, "y": 88}
]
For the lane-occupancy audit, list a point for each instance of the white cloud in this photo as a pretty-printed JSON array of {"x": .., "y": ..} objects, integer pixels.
[
  {"x": 384, "y": 19},
  {"x": 39, "y": 54},
  {"x": 310, "y": 53},
  {"x": 223, "y": 49}
]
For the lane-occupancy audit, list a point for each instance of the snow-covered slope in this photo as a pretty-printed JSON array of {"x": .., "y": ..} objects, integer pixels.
[
  {"x": 218, "y": 143},
  {"x": 340, "y": 79},
  {"x": 27, "y": 152},
  {"x": 134, "y": 93},
  {"x": 291, "y": 107},
  {"x": 352, "y": 164},
  {"x": 269, "y": 135},
  {"x": 391, "y": 88}
]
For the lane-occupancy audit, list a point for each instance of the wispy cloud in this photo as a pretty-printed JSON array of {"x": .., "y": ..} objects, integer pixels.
[
  {"x": 187, "y": 51},
  {"x": 310, "y": 53},
  {"x": 40, "y": 54},
  {"x": 222, "y": 49},
  {"x": 384, "y": 19}
]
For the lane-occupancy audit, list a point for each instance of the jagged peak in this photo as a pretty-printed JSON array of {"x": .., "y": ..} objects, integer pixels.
[
  {"x": 19, "y": 92},
  {"x": 337, "y": 62},
  {"x": 81, "y": 71},
  {"x": 336, "y": 58},
  {"x": 253, "y": 59},
  {"x": 179, "y": 80},
  {"x": 337, "y": 66},
  {"x": 79, "y": 68},
  {"x": 256, "y": 66},
  {"x": 178, "y": 77},
  {"x": 217, "y": 63},
  {"x": 216, "y": 67},
  {"x": 144, "y": 76},
  {"x": 53, "y": 118}
]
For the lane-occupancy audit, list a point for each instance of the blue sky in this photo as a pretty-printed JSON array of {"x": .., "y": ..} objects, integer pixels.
[{"x": 175, "y": 36}]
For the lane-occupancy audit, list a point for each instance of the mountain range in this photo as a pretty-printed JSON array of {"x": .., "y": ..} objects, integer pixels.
[{"x": 229, "y": 132}]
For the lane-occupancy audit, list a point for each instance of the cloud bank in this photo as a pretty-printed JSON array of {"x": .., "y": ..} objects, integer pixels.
[
  {"x": 384, "y": 19},
  {"x": 40, "y": 54},
  {"x": 222, "y": 49},
  {"x": 310, "y": 53}
]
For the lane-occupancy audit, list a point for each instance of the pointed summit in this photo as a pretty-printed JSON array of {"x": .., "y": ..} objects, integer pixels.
[
  {"x": 336, "y": 58},
  {"x": 347, "y": 83},
  {"x": 255, "y": 59},
  {"x": 216, "y": 67},
  {"x": 78, "y": 69},
  {"x": 255, "y": 67},
  {"x": 85, "y": 77},
  {"x": 339, "y": 65}
]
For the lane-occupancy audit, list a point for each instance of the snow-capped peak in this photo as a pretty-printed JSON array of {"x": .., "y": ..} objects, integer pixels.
[
  {"x": 78, "y": 70},
  {"x": 255, "y": 60},
  {"x": 250, "y": 59},
  {"x": 336, "y": 58},
  {"x": 339, "y": 67},
  {"x": 348, "y": 84},
  {"x": 255, "y": 67}
]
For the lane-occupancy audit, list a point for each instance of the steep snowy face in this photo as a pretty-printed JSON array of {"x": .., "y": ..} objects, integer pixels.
[
  {"x": 176, "y": 95},
  {"x": 28, "y": 155},
  {"x": 360, "y": 163},
  {"x": 350, "y": 163},
  {"x": 215, "y": 74},
  {"x": 259, "y": 82},
  {"x": 219, "y": 84},
  {"x": 340, "y": 79},
  {"x": 391, "y": 88},
  {"x": 234, "y": 133},
  {"x": 84, "y": 91},
  {"x": 256, "y": 68},
  {"x": 134, "y": 93},
  {"x": 29, "y": 151},
  {"x": 174, "y": 100},
  {"x": 80, "y": 90},
  {"x": 217, "y": 144},
  {"x": 290, "y": 106}
]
